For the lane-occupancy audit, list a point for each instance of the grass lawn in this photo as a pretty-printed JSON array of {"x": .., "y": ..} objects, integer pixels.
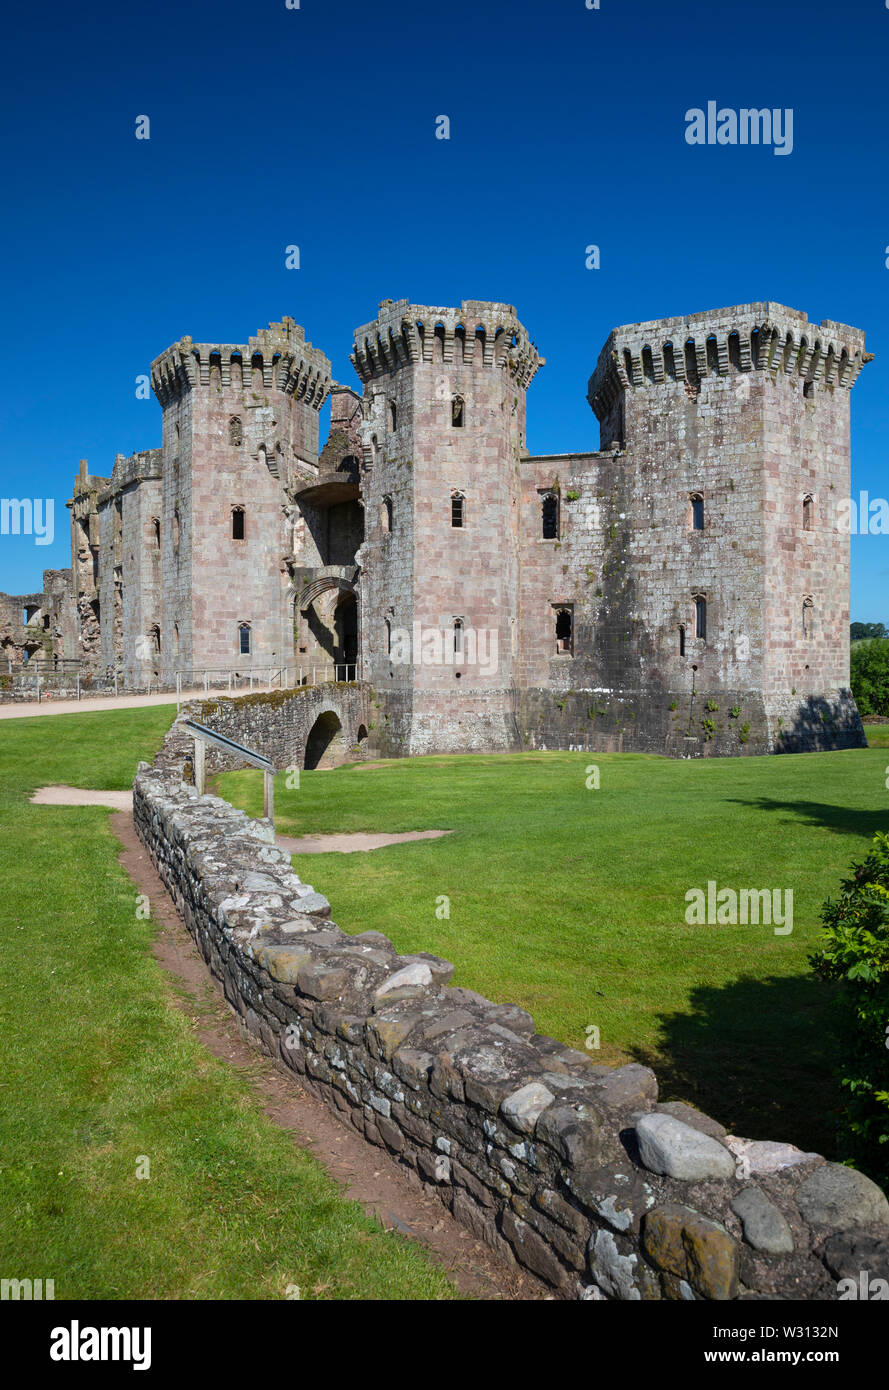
[
  {"x": 100, "y": 1069},
  {"x": 877, "y": 735},
  {"x": 572, "y": 903}
]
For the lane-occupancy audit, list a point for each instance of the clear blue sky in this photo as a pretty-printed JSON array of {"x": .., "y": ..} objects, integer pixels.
[{"x": 315, "y": 127}]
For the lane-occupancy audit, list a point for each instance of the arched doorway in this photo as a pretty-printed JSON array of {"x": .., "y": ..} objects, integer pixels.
[{"x": 324, "y": 744}]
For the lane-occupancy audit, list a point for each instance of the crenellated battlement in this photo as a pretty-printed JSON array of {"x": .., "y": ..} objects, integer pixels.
[
  {"x": 479, "y": 333},
  {"x": 277, "y": 358},
  {"x": 763, "y": 337}
]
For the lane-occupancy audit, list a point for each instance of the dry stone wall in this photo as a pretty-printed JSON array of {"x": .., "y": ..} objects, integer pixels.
[{"x": 573, "y": 1170}]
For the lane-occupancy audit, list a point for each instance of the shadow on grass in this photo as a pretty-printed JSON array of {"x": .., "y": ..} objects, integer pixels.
[
  {"x": 843, "y": 820},
  {"x": 757, "y": 1056}
]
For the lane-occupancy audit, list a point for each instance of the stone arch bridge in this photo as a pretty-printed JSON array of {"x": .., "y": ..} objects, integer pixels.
[{"x": 313, "y": 726}]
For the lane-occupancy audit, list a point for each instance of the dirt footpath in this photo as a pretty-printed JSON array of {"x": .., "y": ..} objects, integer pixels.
[{"x": 365, "y": 1174}]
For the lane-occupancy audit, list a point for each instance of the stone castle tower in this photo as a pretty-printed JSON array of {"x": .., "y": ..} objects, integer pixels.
[
  {"x": 444, "y": 396},
  {"x": 727, "y": 453},
  {"x": 682, "y": 589},
  {"x": 240, "y": 431}
]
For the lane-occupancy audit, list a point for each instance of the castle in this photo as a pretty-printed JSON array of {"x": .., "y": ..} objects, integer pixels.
[{"x": 683, "y": 589}]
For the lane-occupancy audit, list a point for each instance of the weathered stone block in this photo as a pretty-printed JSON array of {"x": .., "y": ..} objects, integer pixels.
[{"x": 684, "y": 1243}]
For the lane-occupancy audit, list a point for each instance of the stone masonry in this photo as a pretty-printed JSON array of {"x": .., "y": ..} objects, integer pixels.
[
  {"x": 573, "y": 1170},
  {"x": 681, "y": 589}
]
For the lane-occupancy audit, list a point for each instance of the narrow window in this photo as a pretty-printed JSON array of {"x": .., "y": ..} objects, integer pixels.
[
  {"x": 155, "y": 636},
  {"x": 734, "y": 350},
  {"x": 807, "y": 616},
  {"x": 458, "y": 637},
  {"x": 701, "y": 618},
  {"x": 458, "y": 412},
  {"x": 235, "y": 432},
  {"x": 697, "y": 512},
  {"x": 239, "y": 524},
  {"x": 682, "y": 639},
  {"x": 156, "y": 529},
  {"x": 244, "y": 639},
  {"x": 808, "y": 512},
  {"x": 458, "y": 509},
  {"x": 176, "y": 529},
  {"x": 389, "y": 638},
  {"x": 393, "y": 415},
  {"x": 550, "y": 516},
  {"x": 564, "y": 631},
  {"x": 386, "y": 514}
]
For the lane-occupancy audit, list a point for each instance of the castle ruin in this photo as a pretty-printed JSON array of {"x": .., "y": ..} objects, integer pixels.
[{"x": 682, "y": 589}]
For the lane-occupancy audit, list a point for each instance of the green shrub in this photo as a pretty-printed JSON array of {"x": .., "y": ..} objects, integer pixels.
[
  {"x": 854, "y": 951},
  {"x": 869, "y": 676}
]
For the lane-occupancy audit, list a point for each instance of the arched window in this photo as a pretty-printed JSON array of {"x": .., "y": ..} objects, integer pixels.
[
  {"x": 458, "y": 509},
  {"x": 701, "y": 617},
  {"x": 682, "y": 639},
  {"x": 696, "y": 511},
  {"x": 156, "y": 532},
  {"x": 549, "y": 503},
  {"x": 564, "y": 631},
  {"x": 386, "y": 514},
  {"x": 393, "y": 415},
  {"x": 235, "y": 431},
  {"x": 734, "y": 350},
  {"x": 808, "y": 614},
  {"x": 458, "y": 412},
  {"x": 808, "y": 512},
  {"x": 388, "y": 622},
  {"x": 458, "y": 637},
  {"x": 155, "y": 636},
  {"x": 244, "y": 645},
  {"x": 239, "y": 524}
]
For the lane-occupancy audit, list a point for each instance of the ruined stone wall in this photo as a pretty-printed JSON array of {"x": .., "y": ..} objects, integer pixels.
[
  {"x": 571, "y": 1169},
  {"x": 85, "y": 566},
  {"x": 19, "y": 641},
  {"x": 59, "y": 598},
  {"x": 129, "y": 575},
  {"x": 143, "y": 582}
]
